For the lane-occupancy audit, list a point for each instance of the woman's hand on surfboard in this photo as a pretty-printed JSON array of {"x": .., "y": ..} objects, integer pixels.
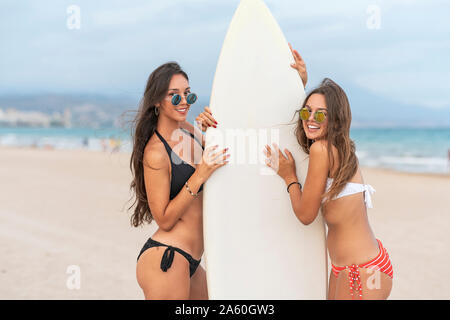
[
  {"x": 299, "y": 65},
  {"x": 211, "y": 160},
  {"x": 283, "y": 166},
  {"x": 205, "y": 120}
]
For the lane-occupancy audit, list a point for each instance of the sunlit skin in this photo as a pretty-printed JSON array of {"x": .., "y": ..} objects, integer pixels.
[
  {"x": 170, "y": 116},
  {"x": 313, "y": 129},
  {"x": 350, "y": 238},
  {"x": 179, "y": 220}
]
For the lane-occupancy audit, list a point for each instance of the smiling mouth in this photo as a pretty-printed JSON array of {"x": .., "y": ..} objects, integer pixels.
[
  {"x": 313, "y": 128},
  {"x": 182, "y": 110}
]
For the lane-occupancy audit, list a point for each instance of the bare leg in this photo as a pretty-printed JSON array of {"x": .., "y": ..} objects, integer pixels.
[
  {"x": 331, "y": 286},
  {"x": 159, "y": 285},
  {"x": 199, "y": 290},
  {"x": 375, "y": 285},
  {"x": 342, "y": 291}
]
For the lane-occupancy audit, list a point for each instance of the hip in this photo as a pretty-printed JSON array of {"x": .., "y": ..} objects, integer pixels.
[{"x": 183, "y": 235}]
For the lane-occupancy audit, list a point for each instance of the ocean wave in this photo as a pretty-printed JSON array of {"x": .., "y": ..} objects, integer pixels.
[
  {"x": 415, "y": 160},
  {"x": 409, "y": 164}
]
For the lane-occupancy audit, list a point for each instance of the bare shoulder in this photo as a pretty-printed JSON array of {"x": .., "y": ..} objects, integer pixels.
[
  {"x": 155, "y": 154},
  {"x": 322, "y": 144},
  {"x": 319, "y": 150}
]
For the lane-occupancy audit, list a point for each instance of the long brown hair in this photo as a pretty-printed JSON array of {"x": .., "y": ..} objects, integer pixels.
[
  {"x": 143, "y": 127},
  {"x": 338, "y": 134}
]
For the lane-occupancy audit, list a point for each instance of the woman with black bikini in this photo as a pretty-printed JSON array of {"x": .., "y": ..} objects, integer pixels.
[{"x": 169, "y": 168}]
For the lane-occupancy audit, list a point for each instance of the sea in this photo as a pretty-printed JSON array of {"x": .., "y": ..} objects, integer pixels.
[{"x": 416, "y": 150}]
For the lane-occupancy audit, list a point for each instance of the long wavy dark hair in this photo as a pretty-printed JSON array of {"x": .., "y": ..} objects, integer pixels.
[
  {"x": 338, "y": 134},
  {"x": 143, "y": 127}
]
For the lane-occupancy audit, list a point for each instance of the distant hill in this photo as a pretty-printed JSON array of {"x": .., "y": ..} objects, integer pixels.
[{"x": 87, "y": 110}]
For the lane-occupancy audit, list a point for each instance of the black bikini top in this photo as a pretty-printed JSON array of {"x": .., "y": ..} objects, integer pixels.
[{"x": 181, "y": 170}]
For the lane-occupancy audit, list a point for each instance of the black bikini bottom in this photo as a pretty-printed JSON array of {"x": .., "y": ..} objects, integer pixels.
[{"x": 167, "y": 258}]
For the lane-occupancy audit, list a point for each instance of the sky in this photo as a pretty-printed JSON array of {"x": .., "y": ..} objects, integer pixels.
[{"x": 395, "y": 49}]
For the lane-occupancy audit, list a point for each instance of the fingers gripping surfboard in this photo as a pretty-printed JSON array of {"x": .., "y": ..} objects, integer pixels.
[{"x": 255, "y": 247}]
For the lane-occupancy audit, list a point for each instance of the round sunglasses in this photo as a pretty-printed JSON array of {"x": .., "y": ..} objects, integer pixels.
[
  {"x": 319, "y": 115},
  {"x": 190, "y": 99}
]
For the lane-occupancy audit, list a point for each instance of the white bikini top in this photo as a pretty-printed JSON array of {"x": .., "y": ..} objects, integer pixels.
[{"x": 352, "y": 188}]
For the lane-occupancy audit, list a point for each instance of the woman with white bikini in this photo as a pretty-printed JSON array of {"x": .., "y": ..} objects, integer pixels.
[{"x": 360, "y": 264}]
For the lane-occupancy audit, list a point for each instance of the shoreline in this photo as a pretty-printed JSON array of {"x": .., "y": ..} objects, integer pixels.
[{"x": 405, "y": 173}]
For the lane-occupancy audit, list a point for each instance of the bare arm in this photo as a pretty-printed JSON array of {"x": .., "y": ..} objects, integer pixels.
[
  {"x": 306, "y": 203},
  {"x": 299, "y": 65},
  {"x": 167, "y": 212}
]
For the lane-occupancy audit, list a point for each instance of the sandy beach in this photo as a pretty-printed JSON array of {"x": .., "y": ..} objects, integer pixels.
[{"x": 64, "y": 208}]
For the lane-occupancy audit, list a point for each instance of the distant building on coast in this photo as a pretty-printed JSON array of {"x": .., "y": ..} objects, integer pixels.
[{"x": 16, "y": 118}]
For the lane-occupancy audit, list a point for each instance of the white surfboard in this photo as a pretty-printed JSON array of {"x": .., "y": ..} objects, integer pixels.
[{"x": 255, "y": 247}]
